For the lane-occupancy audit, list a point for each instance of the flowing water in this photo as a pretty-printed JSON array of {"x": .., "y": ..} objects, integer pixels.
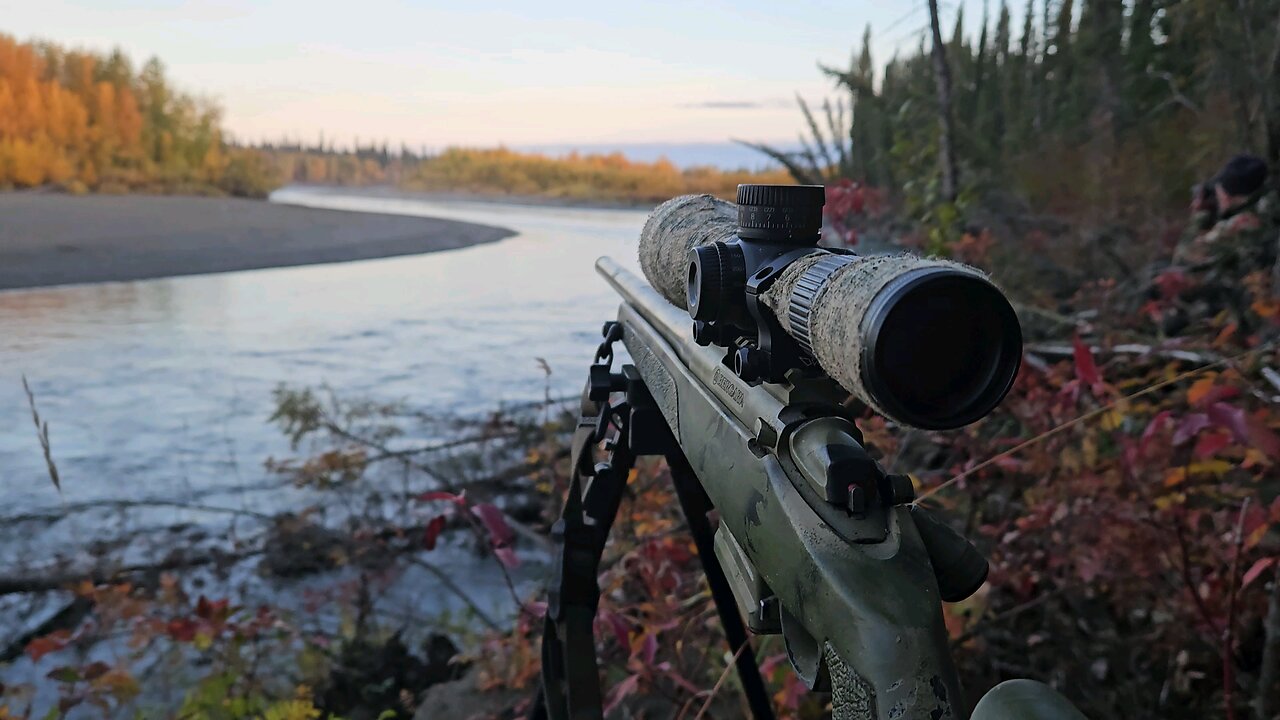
[{"x": 161, "y": 387}]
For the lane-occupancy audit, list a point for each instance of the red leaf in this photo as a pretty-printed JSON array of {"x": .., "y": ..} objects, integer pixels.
[
  {"x": 1231, "y": 418},
  {"x": 621, "y": 630},
  {"x": 1255, "y": 570},
  {"x": 52, "y": 642},
  {"x": 1210, "y": 443},
  {"x": 1245, "y": 429},
  {"x": 1189, "y": 427},
  {"x": 211, "y": 610},
  {"x": 183, "y": 630},
  {"x": 771, "y": 663},
  {"x": 621, "y": 691},
  {"x": 459, "y": 499},
  {"x": 1157, "y": 424},
  {"x": 1086, "y": 369},
  {"x": 650, "y": 649},
  {"x": 432, "y": 533},
  {"x": 495, "y": 522},
  {"x": 507, "y": 557},
  {"x": 1262, "y": 437},
  {"x": 1218, "y": 393},
  {"x": 1171, "y": 283}
]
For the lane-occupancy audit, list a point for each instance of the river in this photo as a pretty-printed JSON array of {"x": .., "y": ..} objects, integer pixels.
[{"x": 160, "y": 387}]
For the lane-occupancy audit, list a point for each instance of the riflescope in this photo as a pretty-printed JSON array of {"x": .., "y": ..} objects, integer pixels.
[{"x": 930, "y": 343}]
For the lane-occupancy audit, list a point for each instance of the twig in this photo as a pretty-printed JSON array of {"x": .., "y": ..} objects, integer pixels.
[
  {"x": 427, "y": 449},
  {"x": 715, "y": 689},
  {"x": 1001, "y": 617},
  {"x": 1187, "y": 580},
  {"x": 1264, "y": 697},
  {"x": 42, "y": 434},
  {"x": 1175, "y": 95},
  {"x": 1228, "y": 652},
  {"x": 1082, "y": 419},
  {"x": 1272, "y": 377},
  {"x": 453, "y": 587},
  {"x": 387, "y": 452},
  {"x": 1059, "y": 350}
]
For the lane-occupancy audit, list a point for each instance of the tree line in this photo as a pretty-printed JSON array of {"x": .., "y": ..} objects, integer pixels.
[
  {"x": 88, "y": 121},
  {"x": 83, "y": 121},
  {"x": 1111, "y": 106}
]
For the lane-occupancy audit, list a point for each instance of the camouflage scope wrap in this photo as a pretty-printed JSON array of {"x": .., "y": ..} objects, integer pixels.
[{"x": 930, "y": 343}]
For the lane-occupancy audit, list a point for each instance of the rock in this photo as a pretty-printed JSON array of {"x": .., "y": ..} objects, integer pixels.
[
  {"x": 296, "y": 546},
  {"x": 460, "y": 700}
]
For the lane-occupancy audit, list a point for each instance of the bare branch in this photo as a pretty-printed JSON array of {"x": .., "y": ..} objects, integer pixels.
[{"x": 42, "y": 434}]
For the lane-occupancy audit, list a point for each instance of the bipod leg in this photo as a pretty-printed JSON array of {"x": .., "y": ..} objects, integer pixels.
[
  {"x": 570, "y": 673},
  {"x": 695, "y": 504},
  {"x": 570, "y": 688}
]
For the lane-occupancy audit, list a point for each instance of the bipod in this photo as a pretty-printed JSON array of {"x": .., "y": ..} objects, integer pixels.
[{"x": 634, "y": 427}]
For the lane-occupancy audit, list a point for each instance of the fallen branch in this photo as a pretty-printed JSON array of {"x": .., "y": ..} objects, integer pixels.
[
  {"x": 1055, "y": 350},
  {"x": 1272, "y": 377},
  {"x": 52, "y": 515},
  {"x": 448, "y": 582},
  {"x": 13, "y": 585}
]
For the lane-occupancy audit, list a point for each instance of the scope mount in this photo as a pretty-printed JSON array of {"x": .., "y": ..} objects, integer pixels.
[{"x": 727, "y": 279}]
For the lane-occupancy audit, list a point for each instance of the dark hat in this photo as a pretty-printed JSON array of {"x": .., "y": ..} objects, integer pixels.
[{"x": 1242, "y": 175}]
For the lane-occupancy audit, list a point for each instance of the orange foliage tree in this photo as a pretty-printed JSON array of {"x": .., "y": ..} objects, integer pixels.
[{"x": 81, "y": 120}]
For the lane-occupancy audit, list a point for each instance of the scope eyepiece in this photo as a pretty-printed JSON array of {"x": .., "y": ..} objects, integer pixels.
[{"x": 785, "y": 214}]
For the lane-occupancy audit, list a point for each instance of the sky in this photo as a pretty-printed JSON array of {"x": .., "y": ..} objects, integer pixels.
[{"x": 480, "y": 73}]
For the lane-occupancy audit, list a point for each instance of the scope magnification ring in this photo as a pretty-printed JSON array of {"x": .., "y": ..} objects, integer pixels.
[{"x": 805, "y": 292}]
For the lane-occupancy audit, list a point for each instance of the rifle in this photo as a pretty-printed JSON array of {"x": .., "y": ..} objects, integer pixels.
[{"x": 815, "y": 541}]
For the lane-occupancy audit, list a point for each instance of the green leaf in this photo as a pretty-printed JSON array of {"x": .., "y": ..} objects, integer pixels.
[{"x": 64, "y": 674}]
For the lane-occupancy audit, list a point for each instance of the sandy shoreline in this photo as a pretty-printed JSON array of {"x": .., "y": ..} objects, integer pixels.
[
  {"x": 390, "y": 191},
  {"x": 51, "y": 239}
]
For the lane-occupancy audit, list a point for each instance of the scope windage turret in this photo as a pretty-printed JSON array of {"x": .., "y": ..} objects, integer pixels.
[{"x": 929, "y": 343}]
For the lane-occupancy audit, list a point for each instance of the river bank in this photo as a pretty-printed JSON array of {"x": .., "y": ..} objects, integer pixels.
[
  {"x": 53, "y": 239},
  {"x": 392, "y": 192}
]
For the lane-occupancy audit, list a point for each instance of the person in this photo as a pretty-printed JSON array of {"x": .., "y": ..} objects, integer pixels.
[
  {"x": 1240, "y": 199},
  {"x": 1230, "y": 265}
]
